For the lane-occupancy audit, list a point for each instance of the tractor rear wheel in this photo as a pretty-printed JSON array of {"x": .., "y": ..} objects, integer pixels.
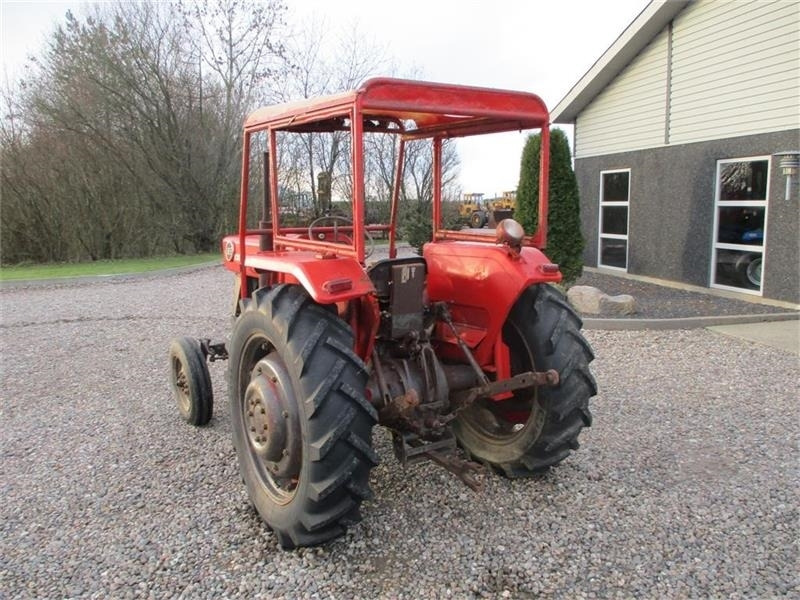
[
  {"x": 302, "y": 426},
  {"x": 535, "y": 429}
]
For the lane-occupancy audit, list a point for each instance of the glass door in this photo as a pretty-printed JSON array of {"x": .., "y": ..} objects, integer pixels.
[
  {"x": 740, "y": 217},
  {"x": 614, "y": 204}
]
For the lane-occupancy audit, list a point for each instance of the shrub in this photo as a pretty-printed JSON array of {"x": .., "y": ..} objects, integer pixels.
[{"x": 565, "y": 241}]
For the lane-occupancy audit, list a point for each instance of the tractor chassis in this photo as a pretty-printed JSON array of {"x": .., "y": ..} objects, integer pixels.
[
  {"x": 409, "y": 447},
  {"x": 213, "y": 352}
]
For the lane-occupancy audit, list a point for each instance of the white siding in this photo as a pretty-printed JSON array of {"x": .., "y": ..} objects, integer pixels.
[
  {"x": 735, "y": 69},
  {"x": 630, "y": 113}
]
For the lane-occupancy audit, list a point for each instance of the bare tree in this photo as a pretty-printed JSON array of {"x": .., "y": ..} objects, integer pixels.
[
  {"x": 419, "y": 168},
  {"x": 324, "y": 62},
  {"x": 124, "y": 138},
  {"x": 130, "y": 124}
]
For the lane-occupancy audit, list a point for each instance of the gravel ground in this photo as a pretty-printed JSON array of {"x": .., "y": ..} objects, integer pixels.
[
  {"x": 686, "y": 486},
  {"x": 660, "y": 302}
]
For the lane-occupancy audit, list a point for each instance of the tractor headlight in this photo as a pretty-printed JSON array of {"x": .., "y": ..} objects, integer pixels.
[{"x": 510, "y": 232}]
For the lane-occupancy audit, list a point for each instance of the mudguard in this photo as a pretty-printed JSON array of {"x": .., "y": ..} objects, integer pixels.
[
  {"x": 480, "y": 283},
  {"x": 326, "y": 279}
]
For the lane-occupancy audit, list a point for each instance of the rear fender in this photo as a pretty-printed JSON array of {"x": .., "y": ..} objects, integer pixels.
[
  {"x": 480, "y": 283},
  {"x": 327, "y": 280}
]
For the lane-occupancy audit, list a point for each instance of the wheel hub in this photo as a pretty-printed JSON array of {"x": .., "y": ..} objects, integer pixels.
[
  {"x": 270, "y": 415},
  {"x": 754, "y": 272},
  {"x": 181, "y": 386}
]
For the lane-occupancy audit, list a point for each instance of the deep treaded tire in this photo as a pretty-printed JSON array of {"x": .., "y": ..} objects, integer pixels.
[
  {"x": 478, "y": 219},
  {"x": 190, "y": 381},
  {"x": 293, "y": 374},
  {"x": 535, "y": 430}
]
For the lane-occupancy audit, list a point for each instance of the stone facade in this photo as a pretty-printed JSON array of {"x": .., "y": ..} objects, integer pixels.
[{"x": 671, "y": 218}]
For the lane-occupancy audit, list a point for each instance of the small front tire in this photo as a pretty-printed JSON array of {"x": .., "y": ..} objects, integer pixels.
[
  {"x": 191, "y": 381},
  {"x": 478, "y": 219}
]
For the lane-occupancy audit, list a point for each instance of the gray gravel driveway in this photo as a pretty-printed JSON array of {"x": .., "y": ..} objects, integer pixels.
[{"x": 686, "y": 486}]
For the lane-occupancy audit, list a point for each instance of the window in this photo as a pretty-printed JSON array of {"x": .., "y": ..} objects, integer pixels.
[
  {"x": 614, "y": 203},
  {"x": 740, "y": 218}
]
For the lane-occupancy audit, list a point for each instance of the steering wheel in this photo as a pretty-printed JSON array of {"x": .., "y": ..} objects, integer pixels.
[{"x": 335, "y": 220}]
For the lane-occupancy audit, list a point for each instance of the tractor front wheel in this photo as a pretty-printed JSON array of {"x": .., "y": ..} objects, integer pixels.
[
  {"x": 478, "y": 219},
  {"x": 535, "y": 429},
  {"x": 191, "y": 381},
  {"x": 302, "y": 426}
]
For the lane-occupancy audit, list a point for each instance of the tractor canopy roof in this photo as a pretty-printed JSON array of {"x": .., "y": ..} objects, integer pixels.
[{"x": 414, "y": 108}]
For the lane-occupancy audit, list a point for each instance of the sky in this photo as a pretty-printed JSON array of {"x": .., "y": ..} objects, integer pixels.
[{"x": 539, "y": 46}]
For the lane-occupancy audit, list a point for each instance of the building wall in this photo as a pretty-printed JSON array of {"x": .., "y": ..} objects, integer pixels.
[
  {"x": 723, "y": 69},
  {"x": 671, "y": 217},
  {"x": 630, "y": 112},
  {"x": 735, "y": 69}
]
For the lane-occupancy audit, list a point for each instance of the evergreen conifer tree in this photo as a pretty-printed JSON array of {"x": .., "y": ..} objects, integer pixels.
[{"x": 565, "y": 242}]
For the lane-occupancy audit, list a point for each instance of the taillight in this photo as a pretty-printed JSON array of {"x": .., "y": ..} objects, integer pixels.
[
  {"x": 337, "y": 285},
  {"x": 549, "y": 268}
]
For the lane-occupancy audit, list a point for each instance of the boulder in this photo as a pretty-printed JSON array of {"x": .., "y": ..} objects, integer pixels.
[
  {"x": 585, "y": 299},
  {"x": 617, "y": 305}
]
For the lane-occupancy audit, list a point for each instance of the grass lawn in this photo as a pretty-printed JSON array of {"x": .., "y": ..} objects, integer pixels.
[{"x": 104, "y": 267}]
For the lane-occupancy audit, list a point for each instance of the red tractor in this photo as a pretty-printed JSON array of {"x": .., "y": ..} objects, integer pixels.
[{"x": 466, "y": 346}]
